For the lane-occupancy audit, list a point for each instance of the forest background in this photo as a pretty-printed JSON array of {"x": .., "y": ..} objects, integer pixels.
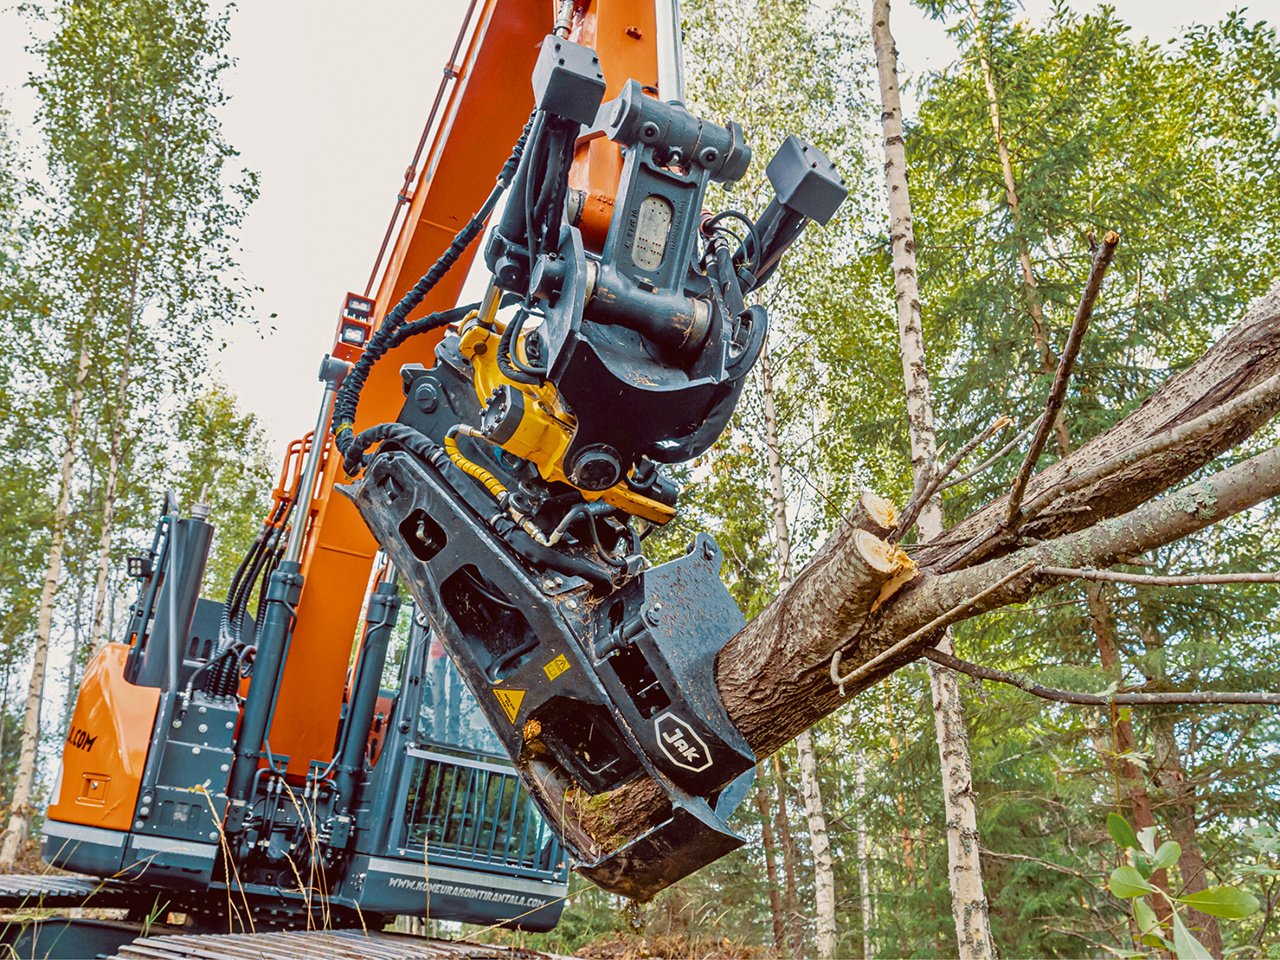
[{"x": 121, "y": 207}]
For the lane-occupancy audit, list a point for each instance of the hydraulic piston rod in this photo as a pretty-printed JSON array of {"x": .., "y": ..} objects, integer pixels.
[{"x": 284, "y": 590}]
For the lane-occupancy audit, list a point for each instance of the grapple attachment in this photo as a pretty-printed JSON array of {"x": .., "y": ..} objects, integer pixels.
[{"x": 588, "y": 692}]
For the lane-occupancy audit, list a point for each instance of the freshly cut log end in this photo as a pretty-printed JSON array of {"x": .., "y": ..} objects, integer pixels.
[
  {"x": 881, "y": 556},
  {"x": 874, "y": 513}
]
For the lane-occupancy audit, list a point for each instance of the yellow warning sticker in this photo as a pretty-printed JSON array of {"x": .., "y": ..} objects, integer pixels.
[
  {"x": 510, "y": 700},
  {"x": 556, "y": 667}
]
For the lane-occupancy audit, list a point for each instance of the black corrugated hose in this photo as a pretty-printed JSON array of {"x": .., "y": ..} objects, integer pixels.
[{"x": 389, "y": 333}]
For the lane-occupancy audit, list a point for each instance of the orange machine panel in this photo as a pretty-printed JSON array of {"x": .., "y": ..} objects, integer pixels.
[
  {"x": 106, "y": 746},
  {"x": 487, "y": 107}
]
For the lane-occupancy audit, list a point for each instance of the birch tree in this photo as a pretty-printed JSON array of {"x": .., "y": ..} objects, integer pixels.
[
  {"x": 968, "y": 898},
  {"x": 141, "y": 224}
]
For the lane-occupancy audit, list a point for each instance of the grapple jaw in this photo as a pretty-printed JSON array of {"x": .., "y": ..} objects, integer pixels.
[{"x": 589, "y": 689}]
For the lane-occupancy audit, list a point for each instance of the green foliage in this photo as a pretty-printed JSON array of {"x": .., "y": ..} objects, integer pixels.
[
  {"x": 227, "y": 467},
  {"x": 1134, "y": 881}
]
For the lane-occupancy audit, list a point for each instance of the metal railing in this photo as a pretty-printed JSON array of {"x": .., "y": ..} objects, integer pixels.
[{"x": 477, "y": 811}]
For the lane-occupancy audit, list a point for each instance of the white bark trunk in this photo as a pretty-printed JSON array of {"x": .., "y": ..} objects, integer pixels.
[
  {"x": 109, "y": 498},
  {"x": 968, "y": 897},
  {"x": 824, "y": 879},
  {"x": 864, "y": 865},
  {"x": 15, "y": 833}
]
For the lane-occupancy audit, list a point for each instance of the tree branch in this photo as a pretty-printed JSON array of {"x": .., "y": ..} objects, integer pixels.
[
  {"x": 1151, "y": 525},
  {"x": 925, "y": 490},
  {"x": 1245, "y": 357},
  {"x": 985, "y": 464},
  {"x": 1154, "y": 580},
  {"x": 1095, "y": 699},
  {"x": 1058, "y": 392}
]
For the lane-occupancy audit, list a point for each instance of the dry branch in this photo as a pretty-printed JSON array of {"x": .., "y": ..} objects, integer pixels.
[
  {"x": 1156, "y": 580},
  {"x": 1058, "y": 392},
  {"x": 995, "y": 457},
  {"x": 1097, "y": 699},
  {"x": 930, "y": 480}
]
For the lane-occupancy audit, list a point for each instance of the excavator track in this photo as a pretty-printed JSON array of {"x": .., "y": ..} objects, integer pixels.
[
  {"x": 313, "y": 945},
  {"x": 46, "y": 891},
  {"x": 39, "y": 891}
]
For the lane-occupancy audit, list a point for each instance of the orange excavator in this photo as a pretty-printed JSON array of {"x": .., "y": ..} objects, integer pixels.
[{"x": 317, "y": 748}]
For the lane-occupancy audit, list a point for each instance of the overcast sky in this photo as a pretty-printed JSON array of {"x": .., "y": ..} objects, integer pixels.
[{"x": 328, "y": 98}]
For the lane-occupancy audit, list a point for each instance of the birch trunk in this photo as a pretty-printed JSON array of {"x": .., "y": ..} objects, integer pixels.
[
  {"x": 968, "y": 897},
  {"x": 824, "y": 879},
  {"x": 103, "y": 562},
  {"x": 119, "y": 412},
  {"x": 864, "y": 865},
  {"x": 15, "y": 833}
]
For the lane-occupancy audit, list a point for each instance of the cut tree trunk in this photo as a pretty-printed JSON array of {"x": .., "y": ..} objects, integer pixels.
[
  {"x": 784, "y": 654},
  {"x": 968, "y": 897},
  {"x": 15, "y": 833}
]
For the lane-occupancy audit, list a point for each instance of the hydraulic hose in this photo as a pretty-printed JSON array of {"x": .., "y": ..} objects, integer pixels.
[
  {"x": 512, "y": 367},
  {"x": 348, "y": 396}
]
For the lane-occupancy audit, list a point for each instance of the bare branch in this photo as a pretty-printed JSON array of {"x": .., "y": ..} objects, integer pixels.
[
  {"x": 987, "y": 463},
  {"x": 1048, "y": 864},
  {"x": 1096, "y": 699},
  {"x": 938, "y": 623},
  {"x": 1058, "y": 392},
  {"x": 1154, "y": 580},
  {"x": 925, "y": 491}
]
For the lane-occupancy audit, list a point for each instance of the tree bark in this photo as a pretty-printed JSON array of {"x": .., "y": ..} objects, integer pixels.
[
  {"x": 864, "y": 863},
  {"x": 770, "y": 862},
  {"x": 119, "y": 411},
  {"x": 103, "y": 563},
  {"x": 824, "y": 879},
  {"x": 968, "y": 896},
  {"x": 15, "y": 833},
  {"x": 1171, "y": 777}
]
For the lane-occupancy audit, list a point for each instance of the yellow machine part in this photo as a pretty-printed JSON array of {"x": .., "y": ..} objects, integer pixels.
[{"x": 546, "y": 427}]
